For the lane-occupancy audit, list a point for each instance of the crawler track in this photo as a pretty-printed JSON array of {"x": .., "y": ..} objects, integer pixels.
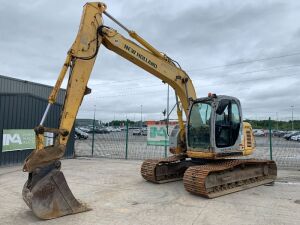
[
  {"x": 165, "y": 169},
  {"x": 222, "y": 177}
]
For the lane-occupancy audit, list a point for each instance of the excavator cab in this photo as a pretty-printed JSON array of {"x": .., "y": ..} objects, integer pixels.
[{"x": 215, "y": 126}]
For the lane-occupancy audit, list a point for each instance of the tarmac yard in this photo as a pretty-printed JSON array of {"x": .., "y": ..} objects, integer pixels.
[{"x": 117, "y": 193}]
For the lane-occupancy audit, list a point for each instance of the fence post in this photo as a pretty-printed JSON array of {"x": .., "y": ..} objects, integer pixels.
[
  {"x": 93, "y": 136},
  {"x": 165, "y": 144},
  {"x": 270, "y": 137},
  {"x": 126, "y": 148}
]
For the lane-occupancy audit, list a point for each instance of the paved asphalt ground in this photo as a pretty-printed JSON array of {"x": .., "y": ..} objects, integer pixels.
[{"x": 118, "y": 195}]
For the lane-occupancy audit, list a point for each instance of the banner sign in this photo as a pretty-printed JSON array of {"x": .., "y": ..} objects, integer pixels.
[
  {"x": 18, "y": 139},
  {"x": 22, "y": 139},
  {"x": 157, "y": 134}
]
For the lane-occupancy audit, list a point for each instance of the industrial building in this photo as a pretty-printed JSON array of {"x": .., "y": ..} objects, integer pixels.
[
  {"x": 87, "y": 122},
  {"x": 22, "y": 104}
]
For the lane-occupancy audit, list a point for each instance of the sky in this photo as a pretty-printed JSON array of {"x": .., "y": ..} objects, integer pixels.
[{"x": 246, "y": 49}]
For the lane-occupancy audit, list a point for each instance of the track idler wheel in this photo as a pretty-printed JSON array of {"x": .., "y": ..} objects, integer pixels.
[{"x": 48, "y": 195}]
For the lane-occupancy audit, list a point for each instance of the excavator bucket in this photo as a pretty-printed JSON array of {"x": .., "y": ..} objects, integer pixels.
[{"x": 48, "y": 195}]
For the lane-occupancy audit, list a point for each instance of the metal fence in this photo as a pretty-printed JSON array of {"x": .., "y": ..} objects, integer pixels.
[
  {"x": 125, "y": 145},
  {"x": 119, "y": 145},
  {"x": 286, "y": 153}
]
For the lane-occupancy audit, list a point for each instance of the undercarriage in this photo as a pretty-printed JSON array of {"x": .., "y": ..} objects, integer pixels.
[{"x": 210, "y": 178}]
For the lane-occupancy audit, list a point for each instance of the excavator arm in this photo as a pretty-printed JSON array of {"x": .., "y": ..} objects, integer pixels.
[{"x": 46, "y": 191}]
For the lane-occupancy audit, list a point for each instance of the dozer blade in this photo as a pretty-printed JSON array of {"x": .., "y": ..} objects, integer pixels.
[{"x": 48, "y": 195}]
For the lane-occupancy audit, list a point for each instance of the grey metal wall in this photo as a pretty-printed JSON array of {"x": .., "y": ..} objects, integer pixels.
[
  {"x": 24, "y": 111},
  {"x": 13, "y": 85}
]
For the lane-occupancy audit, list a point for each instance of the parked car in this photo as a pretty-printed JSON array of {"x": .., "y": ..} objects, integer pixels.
[
  {"x": 136, "y": 132},
  {"x": 144, "y": 131},
  {"x": 114, "y": 129},
  {"x": 279, "y": 133},
  {"x": 95, "y": 129},
  {"x": 117, "y": 129},
  {"x": 140, "y": 132},
  {"x": 259, "y": 133},
  {"x": 102, "y": 130},
  {"x": 110, "y": 129},
  {"x": 295, "y": 137},
  {"x": 79, "y": 134},
  {"x": 289, "y": 135},
  {"x": 99, "y": 130},
  {"x": 84, "y": 129}
]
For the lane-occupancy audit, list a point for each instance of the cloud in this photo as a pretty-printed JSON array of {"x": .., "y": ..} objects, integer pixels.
[{"x": 203, "y": 36}]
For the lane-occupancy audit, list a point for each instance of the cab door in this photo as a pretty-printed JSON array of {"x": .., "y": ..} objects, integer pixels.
[{"x": 228, "y": 126}]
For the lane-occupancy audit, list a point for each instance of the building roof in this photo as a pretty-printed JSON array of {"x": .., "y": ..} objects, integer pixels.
[{"x": 17, "y": 86}]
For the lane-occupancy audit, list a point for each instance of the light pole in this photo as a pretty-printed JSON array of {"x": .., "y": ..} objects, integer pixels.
[
  {"x": 141, "y": 116},
  {"x": 93, "y": 138},
  {"x": 277, "y": 119},
  {"x": 292, "y": 117},
  {"x": 167, "y": 120}
]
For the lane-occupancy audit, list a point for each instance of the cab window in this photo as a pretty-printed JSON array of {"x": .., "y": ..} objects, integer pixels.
[{"x": 199, "y": 125}]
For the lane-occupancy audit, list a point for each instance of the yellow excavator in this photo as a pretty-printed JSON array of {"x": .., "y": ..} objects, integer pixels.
[{"x": 204, "y": 149}]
